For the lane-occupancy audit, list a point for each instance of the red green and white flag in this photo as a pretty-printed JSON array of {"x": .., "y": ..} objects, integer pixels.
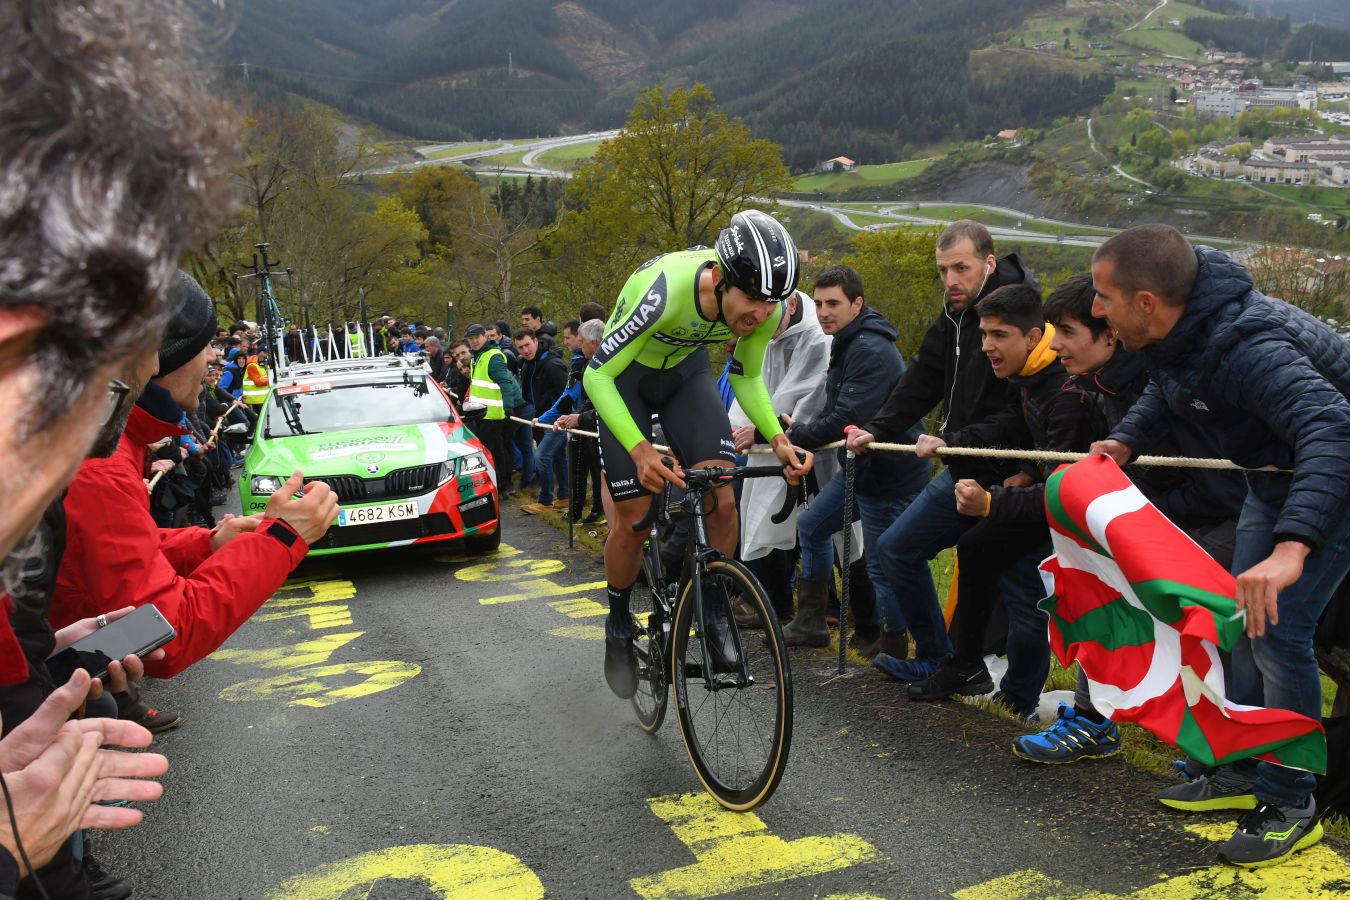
[{"x": 1145, "y": 611}]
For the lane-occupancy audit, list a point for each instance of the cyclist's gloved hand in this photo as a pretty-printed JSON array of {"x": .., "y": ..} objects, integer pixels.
[
  {"x": 652, "y": 472},
  {"x": 794, "y": 467}
]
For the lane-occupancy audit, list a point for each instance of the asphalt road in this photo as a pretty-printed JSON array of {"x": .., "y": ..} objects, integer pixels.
[{"x": 406, "y": 725}]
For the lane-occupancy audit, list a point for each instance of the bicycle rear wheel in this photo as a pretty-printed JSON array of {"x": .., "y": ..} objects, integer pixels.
[
  {"x": 737, "y": 732},
  {"x": 653, "y": 670}
]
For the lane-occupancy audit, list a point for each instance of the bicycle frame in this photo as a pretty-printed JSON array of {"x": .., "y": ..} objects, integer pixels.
[{"x": 697, "y": 554}]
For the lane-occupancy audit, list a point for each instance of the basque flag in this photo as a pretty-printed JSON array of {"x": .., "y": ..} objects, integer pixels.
[{"x": 1145, "y": 611}]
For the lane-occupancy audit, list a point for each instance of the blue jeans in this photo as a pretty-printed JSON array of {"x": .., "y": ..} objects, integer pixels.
[
  {"x": 819, "y": 522},
  {"x": 550, "y": 459},
  {"x": 1279, "y": 670},
  {"x": 929, "y": 525}
]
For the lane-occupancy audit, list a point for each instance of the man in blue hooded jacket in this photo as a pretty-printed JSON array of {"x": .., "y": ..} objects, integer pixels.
[{"x": 1273, "y": 384}]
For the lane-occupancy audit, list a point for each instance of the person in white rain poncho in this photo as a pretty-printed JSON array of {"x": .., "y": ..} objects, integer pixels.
[{"x": 794, "y": 373}]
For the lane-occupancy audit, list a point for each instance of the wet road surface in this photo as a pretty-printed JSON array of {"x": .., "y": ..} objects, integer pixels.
[{"x": 420, "y": 725}]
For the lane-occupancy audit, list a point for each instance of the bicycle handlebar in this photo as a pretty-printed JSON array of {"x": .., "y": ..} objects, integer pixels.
[{"x": 699, "y": 480}]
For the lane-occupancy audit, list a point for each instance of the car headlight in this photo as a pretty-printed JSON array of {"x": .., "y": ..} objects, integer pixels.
[
  {"x": 472, "y": 464},
  {"x": 266, "y": 484},
  {"x": 447, "y": 471}
]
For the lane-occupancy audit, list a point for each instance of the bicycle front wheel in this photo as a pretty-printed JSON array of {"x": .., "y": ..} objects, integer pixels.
[{"x": 735, "y": 715}]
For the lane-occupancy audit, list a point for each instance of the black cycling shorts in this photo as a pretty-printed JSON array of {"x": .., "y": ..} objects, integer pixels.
[{"x": 686, "y": 399}]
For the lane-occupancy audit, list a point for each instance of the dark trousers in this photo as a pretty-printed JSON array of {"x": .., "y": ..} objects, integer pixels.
[
  {"x": 984, "y": 554},
  {"x": 774, "y": 571},
  {"x": 585, "y": 460},
  {"x": 496, "y": 437}
]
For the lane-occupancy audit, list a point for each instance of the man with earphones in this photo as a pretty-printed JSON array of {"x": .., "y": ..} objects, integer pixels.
[{"x": 950, "y": 370}]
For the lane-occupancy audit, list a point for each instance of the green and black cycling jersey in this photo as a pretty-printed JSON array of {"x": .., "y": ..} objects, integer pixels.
[{"x": 656, "y": 324}]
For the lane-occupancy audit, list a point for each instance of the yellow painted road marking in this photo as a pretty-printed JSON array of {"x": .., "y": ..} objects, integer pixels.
[
  {"x": 1317, "y": 871},
  {"x": 307, "y": 686},
  {"x": 322, "y": 590},
  {"x": 580, "y": 608},
  {"x": 580, "y": 632},
  {"x": 504, "y": 551},
  {"x": 735, "y": 851},
  {"x": 539, "y": 588},
  {"x": 510, "y": 570},
  {"x": 327, "y": 615},
  {"x": 290, "y": 656},
  {"x": 457, "y": 871}
]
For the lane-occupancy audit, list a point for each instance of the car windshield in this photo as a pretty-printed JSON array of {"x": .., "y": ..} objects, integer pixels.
[{"x": 316, "y": 408}]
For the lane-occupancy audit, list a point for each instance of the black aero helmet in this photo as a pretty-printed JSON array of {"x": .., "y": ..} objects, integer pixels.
[{"x": 758, "y": 255}]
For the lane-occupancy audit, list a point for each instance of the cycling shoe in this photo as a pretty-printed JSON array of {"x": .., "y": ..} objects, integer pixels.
[{"x": 620, "y": 661}]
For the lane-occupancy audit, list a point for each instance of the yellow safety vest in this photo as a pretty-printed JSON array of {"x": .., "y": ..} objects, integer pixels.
[
  {"x": 254, "y": 394},
  {"x": 482, "y": 389},
  {"x": 358, "y": 349}
]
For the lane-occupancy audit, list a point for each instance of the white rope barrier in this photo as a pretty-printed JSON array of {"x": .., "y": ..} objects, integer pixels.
[{"x": 1057, "y": 456}]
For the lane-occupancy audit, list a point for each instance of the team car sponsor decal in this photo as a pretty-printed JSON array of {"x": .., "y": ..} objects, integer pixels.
[
  {"x": 357, "y": 447},
  {"x": 315, "y": 387}
]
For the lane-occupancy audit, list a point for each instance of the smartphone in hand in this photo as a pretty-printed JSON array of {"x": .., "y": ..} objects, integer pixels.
[{"x": 135, "y": 634}]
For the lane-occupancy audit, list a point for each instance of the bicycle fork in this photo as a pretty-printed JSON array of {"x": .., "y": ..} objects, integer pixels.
[{"x": 698, "y": 567}]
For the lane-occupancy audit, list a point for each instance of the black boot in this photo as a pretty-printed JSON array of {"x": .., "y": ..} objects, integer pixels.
[{"x": 809, "y": 628}]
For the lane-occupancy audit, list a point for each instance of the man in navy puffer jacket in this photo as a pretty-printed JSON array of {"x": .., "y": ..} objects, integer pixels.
[{"x": 1273, "y": 383}]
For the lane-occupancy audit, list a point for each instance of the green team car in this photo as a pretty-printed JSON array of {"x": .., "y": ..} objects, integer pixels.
[{"x": 386, "y": 438}]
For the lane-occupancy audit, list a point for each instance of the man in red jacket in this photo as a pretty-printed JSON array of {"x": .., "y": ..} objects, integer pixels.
[{"x": 206, "y": 582}]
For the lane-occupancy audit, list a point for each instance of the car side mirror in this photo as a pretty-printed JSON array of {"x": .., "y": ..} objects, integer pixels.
[{"x": 473, "y": 413}]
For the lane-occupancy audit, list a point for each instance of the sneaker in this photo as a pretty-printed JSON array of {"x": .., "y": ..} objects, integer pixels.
[
  {"x": 103, "y": 886},
  {"x": 907, "y": 671},
  {"x": 1269, "y": 835},
  {"x": 949, "y": 681},
  {"x": 531, "y": 509},
  {"x": 1071, "y": 737},
  {"x": 1227, "y": 788},
  {"x": 155, "y": 721},
  {"x": 620, "y": 660},
  {"x": 594, "y": 519}
]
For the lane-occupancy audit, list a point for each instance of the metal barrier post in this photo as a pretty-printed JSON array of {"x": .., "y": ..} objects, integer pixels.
[{"x": 845, "y": 565}]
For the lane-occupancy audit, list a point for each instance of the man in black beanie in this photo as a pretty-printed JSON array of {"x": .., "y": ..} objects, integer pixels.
[{"x": 206, "y": 583}]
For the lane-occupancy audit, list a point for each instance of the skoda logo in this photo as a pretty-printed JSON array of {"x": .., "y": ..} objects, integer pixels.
[{"x": 373, "y": 469}]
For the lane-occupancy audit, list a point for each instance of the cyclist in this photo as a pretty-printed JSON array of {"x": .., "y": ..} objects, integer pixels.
[{"x": 653, "y": 358}]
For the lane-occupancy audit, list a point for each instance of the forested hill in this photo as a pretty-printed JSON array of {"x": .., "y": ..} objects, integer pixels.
[
  {"x": 866, "y": 78},
  {"x": 1335, "y": 13}
]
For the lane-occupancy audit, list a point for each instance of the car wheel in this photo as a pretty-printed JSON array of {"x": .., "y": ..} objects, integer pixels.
[{"x": 484, "y": 543}]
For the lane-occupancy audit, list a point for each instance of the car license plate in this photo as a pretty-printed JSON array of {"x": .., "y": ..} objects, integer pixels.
[{"x": 370, "y": 515}]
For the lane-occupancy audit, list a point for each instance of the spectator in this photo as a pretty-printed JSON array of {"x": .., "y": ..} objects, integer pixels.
[
  {"x": 1205, "y": 503},
  {"x": 112, "y": 167},
  {"x": 949, "y": 370},
  {"x": 255, "y": 380},
  {"x": 436, "y": 361},
  {"x": 461, "y": 359},
  {"x": 493, "y": 385},
  {"x": 206, "y": 583},
  {"x": 294, "y": 344},
  {"x": 551, "y": 457},
  {"x": 794, "y": 375},
  {"x": 232, "y": 376},
  {"x": 1045, "y": 412},
  {"x": 586, "y": 458},
  {"x": 502, "y": 340},
  {"x": 863, "y": 368},
  {"x": 1272, "y": 382},
  {"x": 542, "y": 379},
  {"x": 532, "y": 319}
]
